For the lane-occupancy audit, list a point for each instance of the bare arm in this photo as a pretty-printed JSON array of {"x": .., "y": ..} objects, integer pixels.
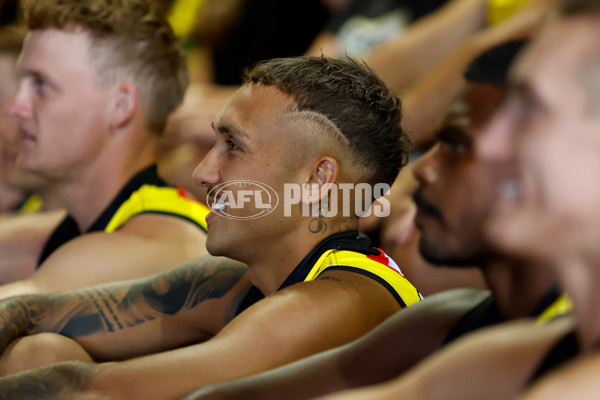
[
  {"x": 577, "y": 380},
  {"x": 299, "y": 321},
  {"x": 22, "y": 238},
  {"x": 402, "y": 61},
  {"x": 188, "y": 303},
  {"x": 146, "y": 245},
  {"x": 427, "y": 100},
  {"x": 390, "y": 349},
  {"x": 494, "y": 363}
]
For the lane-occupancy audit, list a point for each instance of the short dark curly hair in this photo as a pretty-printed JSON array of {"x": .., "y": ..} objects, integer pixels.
[
  {"x": 129, "y": 38},
  {"x": 354, "y": 99}
]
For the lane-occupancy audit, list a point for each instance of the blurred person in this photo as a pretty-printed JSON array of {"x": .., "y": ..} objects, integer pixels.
[
  {"x": 548, "y": 213},
  {"x": 400, "y": 238},
  {"x": 22, "y": 237},
  {"x": 124, "y": 221}
]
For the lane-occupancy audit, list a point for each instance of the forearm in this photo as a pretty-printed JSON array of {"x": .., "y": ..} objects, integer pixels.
[
  {"x": 70, "y": 380},
  {"x": 304, "y": 379},
  {"x": 14, "y": 319},
  {"x": 426, "y": 102},
  {"x": 402, "y": 61},
  {"x": 167, "y": 310}
]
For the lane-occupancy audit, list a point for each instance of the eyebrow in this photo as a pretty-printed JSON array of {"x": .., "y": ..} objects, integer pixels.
[
  {"x": 229, "y": 129},
  {"x": 525, "y": 90},
  {"x": 452, "y": 132},
  {"x": 34, "y": 73}
]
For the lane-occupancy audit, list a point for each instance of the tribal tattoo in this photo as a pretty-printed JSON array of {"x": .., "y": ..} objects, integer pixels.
[
  {"x": 119, "y": 306},
  {"x": 61, "y": 381}
]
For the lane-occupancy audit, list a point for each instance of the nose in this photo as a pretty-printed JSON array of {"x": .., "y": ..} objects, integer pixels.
[
  {"x": 207, "y": 172},
  {"x": 496, "y": 141},
  {"x": 426, "y": 168},
  {"x": 20, "y": 106}
]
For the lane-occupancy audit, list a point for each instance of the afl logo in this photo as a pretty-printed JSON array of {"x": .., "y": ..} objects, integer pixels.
[{"x": 256, "y": 198}]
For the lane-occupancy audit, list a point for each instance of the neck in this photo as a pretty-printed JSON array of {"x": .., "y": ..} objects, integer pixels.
[
  {"x": 51, "y": 198},
  {"x": 518, "y": 288},
  {"x": 268, "y": 269},
  {"x": 87, "y": 194},
  {"x": 581, "y": 283}
]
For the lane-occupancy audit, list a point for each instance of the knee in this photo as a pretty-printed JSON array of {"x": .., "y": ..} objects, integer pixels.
[{"x": 40, "y": 350}]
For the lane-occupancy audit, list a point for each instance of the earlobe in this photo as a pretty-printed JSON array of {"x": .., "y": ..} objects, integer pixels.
[{"x": 124, "y": 106}]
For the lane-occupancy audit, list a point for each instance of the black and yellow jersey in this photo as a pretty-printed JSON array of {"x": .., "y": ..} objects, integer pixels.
[
  {"x": 349, "y": 251},
  {"x": 145, "y": 193},
  {"x": 31, "y": 204},
  {"x": 487, "y": 313}
]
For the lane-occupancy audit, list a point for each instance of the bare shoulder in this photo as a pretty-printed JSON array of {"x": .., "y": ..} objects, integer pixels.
[
  {"x": 163, "y": 226},
  {"x": 22, "y": 238},
  {"x": 128, "y": 253},
  {"x": 320, "y": 314}
]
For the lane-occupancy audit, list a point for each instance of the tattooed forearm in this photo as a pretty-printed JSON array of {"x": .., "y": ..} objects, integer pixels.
[
  {"x": 61, "y": 381},
  {"x": 117, "y": 306},
  {"x": 14, "y": 319},
  {"x": 181, "y": 288}
]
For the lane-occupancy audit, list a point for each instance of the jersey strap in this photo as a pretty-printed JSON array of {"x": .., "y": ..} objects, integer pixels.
[
  {"x": 32, "y": 204},
  {"x": 561, "y": 306},
  {"x": 159, "y": 200},
  {"x": 378, "y": 267}
]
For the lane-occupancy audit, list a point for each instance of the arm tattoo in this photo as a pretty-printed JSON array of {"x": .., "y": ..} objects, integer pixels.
[
  {"x": 118, "y": 306},
  {"x": 14, "y": 319},
  {"x": 61, "y": 381},
  {"x": 329, "y": 278}
]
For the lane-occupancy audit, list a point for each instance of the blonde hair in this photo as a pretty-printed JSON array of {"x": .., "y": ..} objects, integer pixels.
[{"x": 130, "y": 39}]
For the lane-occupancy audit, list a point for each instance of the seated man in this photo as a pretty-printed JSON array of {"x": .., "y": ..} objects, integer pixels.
[
  {"x": 94, "y": 93},
  {"x": 455, "y": 195},
  {"x": 22, "y": 235},
  {"x": 549, "y": 125},
  {"x": 296, "y": 132},
  {"x": 11, "y": 198}
]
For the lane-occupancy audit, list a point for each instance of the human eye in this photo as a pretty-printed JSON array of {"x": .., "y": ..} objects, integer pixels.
[
  {"x": 454, "y": 140},
  {"x": 39, "y": 85},
  {"x": 232, "y": 145},
  {"x": 524, "y": 106}
]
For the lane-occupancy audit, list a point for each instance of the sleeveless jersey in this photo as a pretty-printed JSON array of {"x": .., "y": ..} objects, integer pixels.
[
  {"x": 145, "y": 193},
  {"x": 347, "y": 252},
  {"x": 565, "y": 349},
  {"x": 486, "y": 313}
]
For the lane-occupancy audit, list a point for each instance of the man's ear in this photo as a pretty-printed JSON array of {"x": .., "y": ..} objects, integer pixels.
[
  {"x": 124, "y": 105},
  {"x": 318, "y": 184}
]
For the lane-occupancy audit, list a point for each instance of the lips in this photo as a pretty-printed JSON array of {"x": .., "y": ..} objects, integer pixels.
[
  {"x": 214, "y": 205},
  {"x": 26, "y": 135},
  {"x": 218, "y": 207}
]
